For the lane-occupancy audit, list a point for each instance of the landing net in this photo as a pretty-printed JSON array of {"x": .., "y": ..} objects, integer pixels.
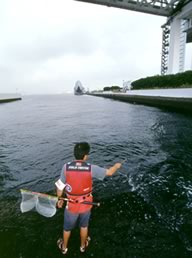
[{"x": 44, "y": 204}]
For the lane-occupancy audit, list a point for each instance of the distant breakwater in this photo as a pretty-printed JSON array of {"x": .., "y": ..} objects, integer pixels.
[
  {"x": 4, "y": 98},
  {"x": 183, "y": 104}
]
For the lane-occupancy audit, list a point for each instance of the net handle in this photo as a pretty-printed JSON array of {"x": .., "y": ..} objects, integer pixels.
[
  {"x": 39, "y": 194},
  {"x": 59, "y": 198}
]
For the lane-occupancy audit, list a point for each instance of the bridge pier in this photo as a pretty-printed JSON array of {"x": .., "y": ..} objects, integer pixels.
[
  {"x": 180, "y": 34},
  {"x": 177, "y": 46}
]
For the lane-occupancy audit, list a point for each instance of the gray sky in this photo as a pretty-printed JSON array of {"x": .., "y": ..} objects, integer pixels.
[{"x": 47, "y": 45}]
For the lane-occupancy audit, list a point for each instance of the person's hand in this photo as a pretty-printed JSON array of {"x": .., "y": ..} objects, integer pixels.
[
  {"x": 60, "y": 203},
  {"x": 118, "y": 165}
]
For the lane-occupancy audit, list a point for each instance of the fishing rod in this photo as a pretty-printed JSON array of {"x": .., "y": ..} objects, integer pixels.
[
  {"x": 123, "y": 161},
  {"x": 80, "y": 202}
]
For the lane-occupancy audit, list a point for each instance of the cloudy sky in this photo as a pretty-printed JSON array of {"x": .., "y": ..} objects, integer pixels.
[{"x": 47, "y": 45}]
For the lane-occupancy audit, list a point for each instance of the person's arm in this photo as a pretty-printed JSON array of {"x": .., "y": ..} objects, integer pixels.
[
  {"x": 60, "y": 202},
  {"x": 110, "y": 171},
  {"x": 59, "y": 192},
  {"x": 60, "y": 186},
  {"x": 100, "y": 173}
]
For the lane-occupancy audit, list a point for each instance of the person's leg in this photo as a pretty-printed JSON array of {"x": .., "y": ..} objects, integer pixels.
[
  {"x": 66, "y": 236},
  {"x": 83, "y": 235},
  {"x": 83, "y": 224},
  {"x": 70, "y": 220}
]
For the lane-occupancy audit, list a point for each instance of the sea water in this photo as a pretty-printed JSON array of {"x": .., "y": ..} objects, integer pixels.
[{"x": 146, "y": 207}]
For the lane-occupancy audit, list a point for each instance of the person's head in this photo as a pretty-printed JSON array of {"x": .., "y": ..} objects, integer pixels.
[{"x": 81, "y": 149}]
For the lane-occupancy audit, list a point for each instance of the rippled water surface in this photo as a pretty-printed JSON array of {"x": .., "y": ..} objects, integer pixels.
[{"x": 146, "y": 207}]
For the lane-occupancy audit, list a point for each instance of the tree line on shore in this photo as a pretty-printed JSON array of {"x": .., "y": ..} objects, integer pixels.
[{"x": 179, "y": 80}]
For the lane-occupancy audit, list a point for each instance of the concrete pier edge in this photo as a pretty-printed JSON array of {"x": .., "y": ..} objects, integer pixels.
[{"x": 171, "y": 103}]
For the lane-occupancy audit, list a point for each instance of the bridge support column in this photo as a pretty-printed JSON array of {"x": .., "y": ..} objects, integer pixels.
[
  {"x": 176, "y": 46},
  {"x": 165, "y": 48}
]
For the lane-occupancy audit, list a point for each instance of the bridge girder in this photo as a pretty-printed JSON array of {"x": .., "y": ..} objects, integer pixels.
[{"x": 156, "y": 7}]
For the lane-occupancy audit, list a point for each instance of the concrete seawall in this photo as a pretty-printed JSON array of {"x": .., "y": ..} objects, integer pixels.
[
  {"x": 4, "y": 98},
  {"x": 171, "y": 103}
]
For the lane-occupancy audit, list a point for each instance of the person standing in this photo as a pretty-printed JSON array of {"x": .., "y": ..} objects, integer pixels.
[{"x": 76, "y": 182}]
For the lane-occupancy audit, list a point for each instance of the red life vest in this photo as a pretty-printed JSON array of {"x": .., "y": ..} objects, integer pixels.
[{"x": 78, "y": 186}]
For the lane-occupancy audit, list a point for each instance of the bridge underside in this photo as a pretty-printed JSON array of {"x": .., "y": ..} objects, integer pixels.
[
  {"x": 156, "y": 7},
  {"x": 176, "y": 32}
]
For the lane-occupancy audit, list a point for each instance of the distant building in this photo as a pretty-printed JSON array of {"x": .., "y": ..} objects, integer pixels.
[{"x": 79, "y": 89}]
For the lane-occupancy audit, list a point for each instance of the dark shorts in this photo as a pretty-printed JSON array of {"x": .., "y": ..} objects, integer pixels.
[{"x": 73, "y": 219}]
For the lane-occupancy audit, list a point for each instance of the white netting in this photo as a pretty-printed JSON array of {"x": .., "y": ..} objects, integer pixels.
[
  {"x": 28, "y": 201},
  {"x": 44, "y": 204}
]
